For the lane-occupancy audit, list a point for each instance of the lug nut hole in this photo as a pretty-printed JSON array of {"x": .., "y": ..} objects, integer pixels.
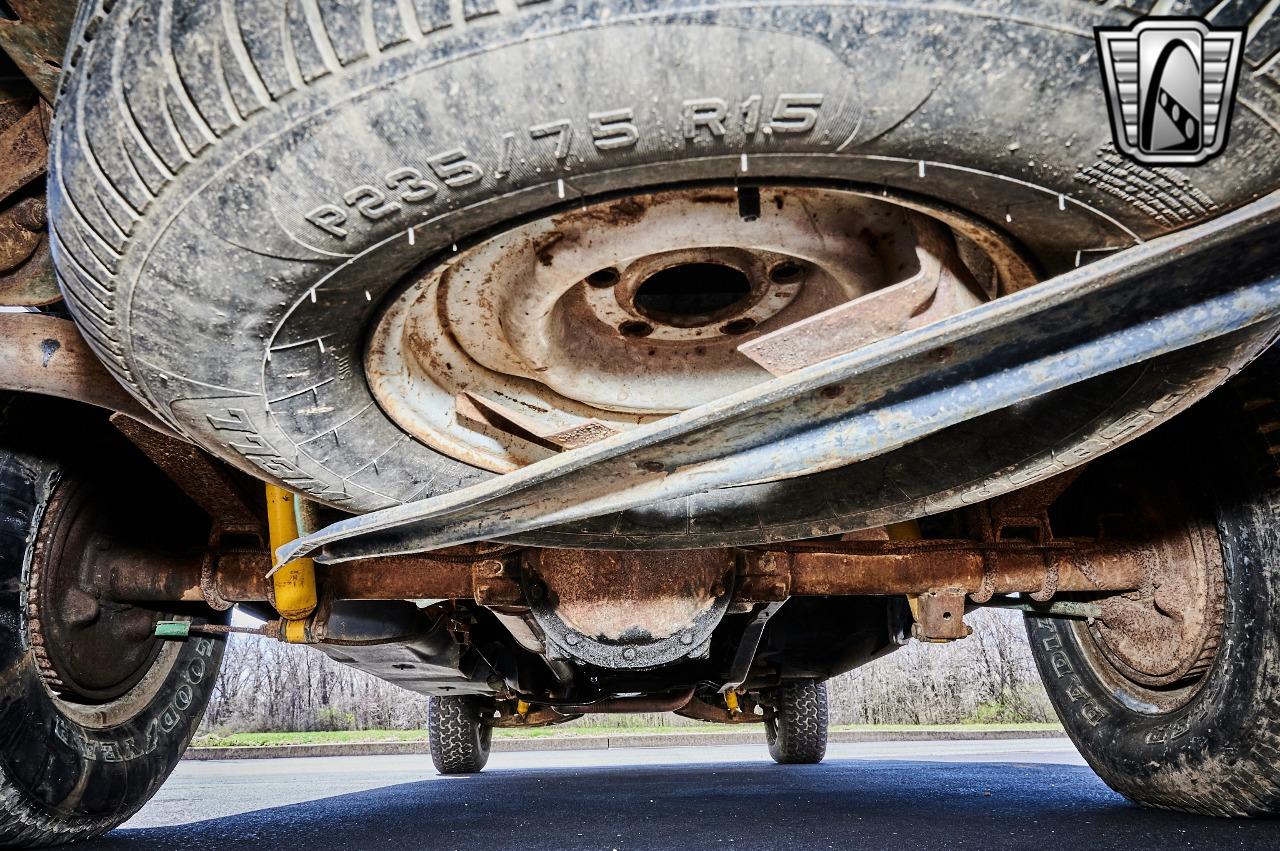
[
  {"x": 635, "y": 328},
  {"x": 786, "y": 272},
  {"x": 737, "y": 326},
  {"x": 604, "y": 278}
]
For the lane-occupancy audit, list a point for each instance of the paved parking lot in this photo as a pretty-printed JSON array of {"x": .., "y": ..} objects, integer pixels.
[{"x": 910, "y": 795}]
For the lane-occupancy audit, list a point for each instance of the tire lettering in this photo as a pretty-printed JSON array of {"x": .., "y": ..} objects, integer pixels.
[
  {"x": 504, "y": 158},
  {"x": 706, "y": 113},
  {"x": 1089, "y": 709},
  {"x": 562, "y": 129},
  {"x": 195, "y": 671},
  {"x": 255, "y": 449},
  {"x": 750, "y": 111},
  {"x": 795, "y": 113},
  {"x": 1113, "y": 434},
  {"x": 370, "y": 202},
  {"x": 150, "y": 739},
  {"x": 329, "y": 219},
  {"x": 455, "y": 169},
  {"x": 613, "y": 130},
  {"x": 610, "y": 130},
  {"x": 413, "y": 187}
]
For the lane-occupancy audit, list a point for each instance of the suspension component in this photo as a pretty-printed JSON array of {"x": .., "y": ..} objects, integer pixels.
[{"x": 294, "y": 584}]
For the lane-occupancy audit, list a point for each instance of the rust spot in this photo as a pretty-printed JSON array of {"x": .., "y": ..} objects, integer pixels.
[
  {"x": 631, "y": 597},
  {"x": 528, "y": 405},
  {"x": 542, "y": 247},
  {"x": 624, "y": 212}
]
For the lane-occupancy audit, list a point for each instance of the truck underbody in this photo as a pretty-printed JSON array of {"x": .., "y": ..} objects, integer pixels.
[{"x": 689, "y": 427}]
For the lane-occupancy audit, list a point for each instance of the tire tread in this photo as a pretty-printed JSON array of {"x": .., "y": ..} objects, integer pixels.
[
  {"x": 459, "y": 742},
  {"x": 797, "y": 734}
]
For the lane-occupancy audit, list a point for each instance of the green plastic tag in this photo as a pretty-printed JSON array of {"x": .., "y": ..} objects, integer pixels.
[{"x": 173, "y": 629}]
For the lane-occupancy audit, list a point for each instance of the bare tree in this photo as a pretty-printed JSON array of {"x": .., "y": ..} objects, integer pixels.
[{"x": 268, "y": 686}]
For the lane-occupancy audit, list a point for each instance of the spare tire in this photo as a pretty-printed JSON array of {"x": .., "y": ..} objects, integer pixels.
[{"x": 239, "y": 189}]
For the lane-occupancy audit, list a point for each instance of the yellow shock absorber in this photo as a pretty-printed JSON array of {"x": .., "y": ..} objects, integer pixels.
[
  {"x": 731, "y": 701},
  {"x": 907, "y": 530},
  {"x": 295, "y": 632},
  {"x": 295, "y": 582}
]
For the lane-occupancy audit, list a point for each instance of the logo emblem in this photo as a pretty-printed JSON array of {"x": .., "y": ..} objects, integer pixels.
[{"x": 1170, "y": 83}]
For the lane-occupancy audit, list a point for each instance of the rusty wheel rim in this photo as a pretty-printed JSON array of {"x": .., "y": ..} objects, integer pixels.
[
  {"x": 571, "y": 328},
  {"x": 89, "y": 649},
  {"x": 1156, "y": 647}
]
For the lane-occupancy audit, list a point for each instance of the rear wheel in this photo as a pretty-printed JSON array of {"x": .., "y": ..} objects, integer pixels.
[
  {"x": 795, "y": 723},
  {"x": 1173, "y": 695},
  {"x": 458, "y": 736},
  {"x": 94, "y": 711}
]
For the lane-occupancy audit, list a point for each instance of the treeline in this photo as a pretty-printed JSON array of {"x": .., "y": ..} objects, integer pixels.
[{"x": 988, "y": 677}]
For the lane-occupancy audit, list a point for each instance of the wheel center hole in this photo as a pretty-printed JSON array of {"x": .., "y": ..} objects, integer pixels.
[{"x": 692, "y": 294}]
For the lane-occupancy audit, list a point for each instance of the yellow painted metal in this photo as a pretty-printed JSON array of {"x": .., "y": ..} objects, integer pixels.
[
  {"x": 295, "y": 582},
  {"x": 731, "y": 701},
  {"x": 295, "y": 632},
  {"x": 522, "y": 708},
  {"x": 907, "y": 530},
  {"x": 913, "y": 600}
]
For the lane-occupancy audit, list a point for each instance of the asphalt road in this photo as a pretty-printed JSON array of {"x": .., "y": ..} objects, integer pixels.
[{"x": 917, "y": 795}]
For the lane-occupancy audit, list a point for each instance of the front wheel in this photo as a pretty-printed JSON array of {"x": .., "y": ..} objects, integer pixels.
[
  {"x": 95, "y": 712},
  {"x": 457, "y": 733},
  {"x": 795, "y": 724},
  {"x": 1173, "y": 695}
]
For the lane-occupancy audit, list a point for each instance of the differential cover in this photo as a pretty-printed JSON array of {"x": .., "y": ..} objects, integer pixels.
[{"x": 628, "y": 610}]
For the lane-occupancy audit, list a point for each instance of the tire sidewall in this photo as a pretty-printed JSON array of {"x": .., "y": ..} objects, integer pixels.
[
  {"x": 66, "y": 769},
  {"x": 1172, "y": 758},
  {"x": 257, "y": 397}
]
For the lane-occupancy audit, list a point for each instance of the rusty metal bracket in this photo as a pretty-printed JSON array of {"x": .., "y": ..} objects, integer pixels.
[
  {"x": 542, "y": 717},
  {"x": 1022, "y": 515},
  {"x": 496, "y": 582},
  {"x": 923, "y": 298},
  {"x": 764, "y": 577},
  {"x": 700, "y": 710},
  {"x": 26, "y": 267},
  {"x": 940, "y": 615},
  {"x": 36, "y": 38},
  {"x": 24, "y": 149},
  {"x": 210, "y": 483},
  {"x": 45, "y": 354},
  {"x": 1139, "y": 304},
  {"x": 33, "y": 282},
  {"x": 748, "y": 646}
]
